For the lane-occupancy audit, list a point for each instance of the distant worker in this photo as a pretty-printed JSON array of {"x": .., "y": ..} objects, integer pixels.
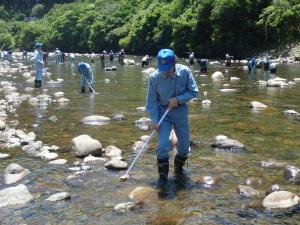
[
  {"x": 122, "y": 56},
  {"x": 102, "y": 59},
  {"x": 93, "y": 57},
  {"x": 45, "y": 57},
  {"x": 24, "y": 54},
  {"x": 111, "y": 56},
  {"x": 86, "y": 76},
  {"x": 63, "y": 57},
  {"x": 39, "y": 65},
  {"x": 273, "y": 67},
  {"x": 57, "y": 56},
  {"x": 72, "y": 57},
  {"x": 228, "y": 59},
  {"x": 191, "y": 58},
  {"x": 203, "y": 65},
  {"x": 145, "y": 60},
  {"x": 251, "y": 65},
  {"x": 266, "y": 64}
]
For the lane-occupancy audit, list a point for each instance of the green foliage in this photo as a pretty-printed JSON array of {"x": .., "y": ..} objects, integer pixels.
[
  {"x": 6, "y": 41},
  {"x": 38, "y": 10}
]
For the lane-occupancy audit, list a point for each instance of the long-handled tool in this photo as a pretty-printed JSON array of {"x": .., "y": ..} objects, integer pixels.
[
  {"x": 126, "y": 175},
  {"x": 89, "y": 84}
]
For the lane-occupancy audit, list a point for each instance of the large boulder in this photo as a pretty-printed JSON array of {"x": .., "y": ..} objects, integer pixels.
[
  {"x": 217, "y": 75},
  {"x": 280, "y": 200},
  {"x": 143, "y": 194},
  {"x": 84, "y": 145},
  {"x": 95, "y": 120},
  {"x": 14, "y": 173},
  {"x": 18, "y": 195}
]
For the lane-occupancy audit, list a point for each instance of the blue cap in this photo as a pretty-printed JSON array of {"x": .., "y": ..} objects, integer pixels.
[
  {"x": 38, "y": 45},
  {"x": 165, "y": 60}
]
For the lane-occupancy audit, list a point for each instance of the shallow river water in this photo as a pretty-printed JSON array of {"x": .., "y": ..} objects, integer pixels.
[{"x": 266, "y": 134}]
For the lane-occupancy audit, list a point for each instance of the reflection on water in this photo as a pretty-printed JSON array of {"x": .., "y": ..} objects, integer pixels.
[{"x": 267, "y": 134}]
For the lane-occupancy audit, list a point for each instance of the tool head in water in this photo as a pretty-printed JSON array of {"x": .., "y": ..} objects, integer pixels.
[{"x": 124, "y": 177}]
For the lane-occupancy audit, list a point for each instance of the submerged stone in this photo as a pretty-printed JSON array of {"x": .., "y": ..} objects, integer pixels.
[
  {"x": 17, "y": 195},
  {"x": 281, "y": 200},
  {"x": 127, "y": 206},
  {"x": 59, "y": 197}
]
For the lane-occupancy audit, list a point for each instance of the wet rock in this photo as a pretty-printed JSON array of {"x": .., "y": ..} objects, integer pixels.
[
  {"x": 248, "y": 191},
  {"x": 46, "y": 155},
  {"x": 14, "y": 172},
  {"x": 228, "y": 90},
  {"x": 141, "y": 109},
  {"x": 262, "y": 83},
  {"x": 59, "y": 197},
  {"x": 58, "y": 162},
  {"x": 111, "y": 68},
  {"x": 129, "y": 62},
  {"x": 276, "y": 83},
  {"x": 290, "y": 112},
  {"x": 113, "y": 151},
  {"x": 273, "y": 188},
  {"x": 84, "y": 145},
  {"x": 296, "y": 80},
  {"x": 144, "y": 138},
  {"x": 272, "y": 164},
  {"x": 280, "y": 200},
  {"x": 137, "y": 146},
  {"x": 63, "y": 100},
  {"x": 118, "y": 117},
  {"x": 127, "y": 206},
  {"x": 142, "y": 123},
  {"x": 209, "y": 180},
  {"x": 143, "y": 194},
  {"x": 257, "y": 105},
  {"x": 206, "y": 102},
  {"x": 17, "y": 195},
  {"x": 226, "y": 143},
  {"x": 254, "y": 182},
  {"x": 148, "y": 70},
  {"x": 91, "y": 158},
  {"x": 58, "y": 94},
  {"x": 291, "y": 173},
  {"x": 3, "y": 155},
  {"x": 33, "y": 147},
  {"x": 217, "y": 76},
  {"x": 95, "y": 120},
  {"x": 2, "y": 125},
  {"x": 9, "y": 89},
  {"x": 53, "y": 119},
  {"x": 115, "y": 164},
  {"x": 235, "y": 79}
]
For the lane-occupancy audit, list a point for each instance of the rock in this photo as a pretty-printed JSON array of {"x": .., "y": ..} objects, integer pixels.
[
  {"x": 95, "y": 120},
  {"x": 296, "y": 80},
  {"x": 142, "y": 123},
  {"x": 244, "y": 62},
  {"x": 59, "y": 196},
  {"x": 206, "y": 102},
  {"x": 234, "y": 79},
  {"x": 137, "y": 146},
  {"x": 115, "y": 164},
  {"x": 113, "y": 151},
  {"x": 129, "y": 62},
  {"x": 58, "y": 94},
  {"x": 227, "y": 143},
  {"x": 18, "y": 195},
  {"x": 248, "y": 191},
  {"x": 217, "y": 75},
  {"x": 58, "y": 162},
  {"x": 141, "y": 109},
  {"x": 228, "y": 90},
  {"x": 53, "y": 119},
  {"x": 280, "y": 200},
  {"x": 127, "y": 206},
  {"x": 84, "y": 145},
  {"x": 46, "y": 155},
  {"x": 273, "y": 188},
  {"x": 209, "y": 180},
  {"x": 112, "y": 68},
  {"x": 91, "y": 158},
  {"x": 2, "y": 125},
  {"x": 254, "y": 182},
  {"x": 271, "y": 163},
  {"x": 144, "y": 138},
  {"x": 14, "y": 173},
  {"x": 290, "y": 112},
  {"x": 220, "y": 137},
  {"x": 62, "y": 100},
  {"x": 291, "y": 173},
  {"x": 262, "y": 83},
  {"x": 148, "y": 70},
  {"x": 276, "y": 83},
  {"x": 3, "y": 155},
  {"x": 118, "y": 117},
  {"x": 143, "y": 194},
  {"x": 257, "y": 105}
]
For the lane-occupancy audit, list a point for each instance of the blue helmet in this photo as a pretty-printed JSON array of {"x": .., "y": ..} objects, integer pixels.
[
  {"x": 38, "y": 45},
  {"x": 81, "y": 66}
]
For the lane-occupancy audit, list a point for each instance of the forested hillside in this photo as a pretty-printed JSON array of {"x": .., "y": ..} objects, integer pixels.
[{"x": 208, "y": 27}]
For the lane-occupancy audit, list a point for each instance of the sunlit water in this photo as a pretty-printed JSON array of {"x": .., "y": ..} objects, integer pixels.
[{"x": 268, "y": 134}]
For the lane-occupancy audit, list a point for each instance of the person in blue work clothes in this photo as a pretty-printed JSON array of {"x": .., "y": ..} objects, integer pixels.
[
  {"x": 251, "y": 65},
  {"x": 171, "y": 86},
  {"x": 39, "y": 65},
  {"x": 86, "y": 75}
]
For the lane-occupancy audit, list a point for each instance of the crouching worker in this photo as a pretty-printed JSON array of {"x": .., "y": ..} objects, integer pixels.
[
  {"x": 273, "y": 67},
  {"x": 171, "y": 86},
  {"x": 86, "y": 76},
  {"x": 203, "y": 65},
  {"x": 39, "y": 65}
]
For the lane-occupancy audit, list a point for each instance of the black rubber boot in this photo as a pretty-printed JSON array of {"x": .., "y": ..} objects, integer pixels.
[
  {"x": 39, "y": 83},
  {"x": 179, "y": 162},
  {"x": 36, "y": 85},
  {"x": 82, "y": 90},
  {"x": 163, "y": 171}
]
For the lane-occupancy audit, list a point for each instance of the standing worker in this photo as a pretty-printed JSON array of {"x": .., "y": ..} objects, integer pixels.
[
  {"x": 111, "y": 56},
  {"x": 251, "y": 65},
  {"x": 93, "y": 57},
  {"x": 228, "y": 59},
  {"x": 273, "y": 67},
  {"x": 86, "y": 75},
  {"x": 58, "y": 56},
  {"x": 171, "y": 86},
  {"x": 39, "y": 64},
  {"x": 191, "y": 58}
]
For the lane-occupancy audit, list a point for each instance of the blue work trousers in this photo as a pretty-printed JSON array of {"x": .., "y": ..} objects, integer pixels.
[
  {"x": 89, "y": 78},
  {"x": 38, "y": 73},
  {"x": 178, "y": 119}
]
